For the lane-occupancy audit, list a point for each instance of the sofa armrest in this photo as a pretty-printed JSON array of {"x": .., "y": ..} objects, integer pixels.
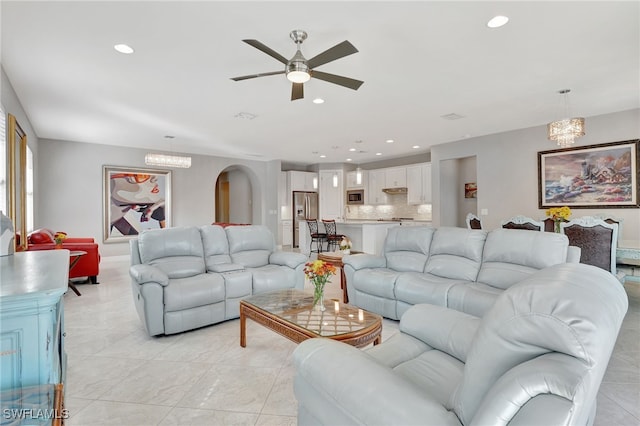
[
  {"x": 362, "y": 261},
  {"x": 143, "y": 274},
  {"x": 286, "y": 258},
  {"x": 573, "y": 254},
  {"x": 359, "y": 390},
  {"x": 445, "y": 329}
]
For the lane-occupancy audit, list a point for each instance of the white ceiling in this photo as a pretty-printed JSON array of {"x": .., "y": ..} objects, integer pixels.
[{"x": 419, "y": 61}]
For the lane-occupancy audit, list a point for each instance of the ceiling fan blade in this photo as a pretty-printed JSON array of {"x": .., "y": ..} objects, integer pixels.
[
  {"x": 262, "y": 74},
  {"x": 337, "y": 79},
  {"x": 338, "y": 51},
  {"x": 297, "y": 91},
  {"x": 269, "y": 51}
]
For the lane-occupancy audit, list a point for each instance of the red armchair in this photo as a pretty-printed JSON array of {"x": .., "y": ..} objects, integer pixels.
[{"x": 87, "y": 266}]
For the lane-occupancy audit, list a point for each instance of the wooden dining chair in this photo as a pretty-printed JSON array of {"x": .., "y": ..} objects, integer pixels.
[
  {"x": 473, "y": 221},
  {"x": 597, "y": 240},
  {"x": 523, "y": 222}
]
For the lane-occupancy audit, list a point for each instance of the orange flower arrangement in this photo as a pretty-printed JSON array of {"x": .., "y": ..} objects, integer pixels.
[{"x": 319, "y": 273}]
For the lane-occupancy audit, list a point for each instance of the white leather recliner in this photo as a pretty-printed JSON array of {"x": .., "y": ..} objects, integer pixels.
[{"x": 536, "y": 358}]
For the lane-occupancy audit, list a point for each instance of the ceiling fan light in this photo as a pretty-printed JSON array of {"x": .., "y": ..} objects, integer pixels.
[{"x": 298, "y": 76}]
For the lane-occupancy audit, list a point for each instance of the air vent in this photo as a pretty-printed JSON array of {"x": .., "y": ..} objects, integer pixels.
[{"x": 452, "y": 116}]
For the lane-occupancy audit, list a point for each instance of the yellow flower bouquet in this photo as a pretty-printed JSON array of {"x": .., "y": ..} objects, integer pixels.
[
  {"x": 319, "y": 273},
  {"x": 59, "y": 238},
  {"x": 558, "y": 215}
]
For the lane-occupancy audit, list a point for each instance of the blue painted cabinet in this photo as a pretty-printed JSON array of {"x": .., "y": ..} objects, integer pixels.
[{"x": 32, "y": 286}]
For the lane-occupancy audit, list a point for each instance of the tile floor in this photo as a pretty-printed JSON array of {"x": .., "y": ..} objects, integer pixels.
[{"x": 118, "y": 375}]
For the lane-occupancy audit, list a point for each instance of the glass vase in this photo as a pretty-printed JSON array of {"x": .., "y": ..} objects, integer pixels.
[
  {"x": 318, "y": 297},
  {"x": 557, "y": 226}
]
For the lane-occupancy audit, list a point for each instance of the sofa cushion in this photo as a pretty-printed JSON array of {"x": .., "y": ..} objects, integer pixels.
[
  {"x": 511, "y": 255},
  {"x": 199, "y": 290},
  {"x": 272, "y": 277},
  {"x": 378, "y": 282},
  {"x": 250, "y": 245},
  {"x": 215, "y": 245},
  {"x": 407, "y": 248},
  {"x": 456, "y": 253},
  {"x": 178, "y": 252},
  {"x": 473, "y": 298},
  {"x": 414, "y": 288}
]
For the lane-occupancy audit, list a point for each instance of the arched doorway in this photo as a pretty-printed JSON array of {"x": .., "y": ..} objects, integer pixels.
[{"x": 234, "y": 196}]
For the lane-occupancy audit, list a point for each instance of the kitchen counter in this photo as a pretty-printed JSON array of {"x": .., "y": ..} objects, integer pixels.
[{"x": 366, "y": 235}]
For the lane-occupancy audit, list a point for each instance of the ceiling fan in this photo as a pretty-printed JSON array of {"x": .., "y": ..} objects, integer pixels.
[{"x": 299, "y": 70}]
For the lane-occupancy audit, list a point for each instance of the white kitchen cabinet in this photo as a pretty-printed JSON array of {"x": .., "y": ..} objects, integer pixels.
[
  {"x": 352, "y": 181},
  {"x": 302, "y": 181},
  {"x": 330, "y": 197},
  {"x": 376, "y": 184},
  {"x": 395, "y": 177},
  {"x": 287, "y": 232},
  {"x": 419, "y": 184}
]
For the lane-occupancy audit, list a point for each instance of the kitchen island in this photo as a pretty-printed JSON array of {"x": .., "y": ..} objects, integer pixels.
[{"x": 366, "y": 235}]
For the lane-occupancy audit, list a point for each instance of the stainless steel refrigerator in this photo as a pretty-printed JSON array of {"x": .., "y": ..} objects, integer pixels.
[{"x": 305, "y": 206}]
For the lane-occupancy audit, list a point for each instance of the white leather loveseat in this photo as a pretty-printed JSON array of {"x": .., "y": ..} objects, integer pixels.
[
  {"x": 189, "y": 277},
  {"x": 458, "y": 268}
]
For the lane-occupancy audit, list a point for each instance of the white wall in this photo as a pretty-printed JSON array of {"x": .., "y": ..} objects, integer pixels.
[
  {"x": 70, "y": 195},
  {"x": 240, "y": 197},
  {"x": 507, "y": 170}
]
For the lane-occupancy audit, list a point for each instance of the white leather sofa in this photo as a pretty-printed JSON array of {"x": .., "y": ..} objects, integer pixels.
[
  {"x": 452, "y": 267},
  {"x": 190, "y": 277},
  {"x": 537, "y": 357}
]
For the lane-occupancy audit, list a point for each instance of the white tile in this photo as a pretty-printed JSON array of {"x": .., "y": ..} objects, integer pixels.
[
  {"x": 157, "y": 382},
  {"x": 232, "y": 388},
  {"x": 196, "y": 417},
  {"x": 118, "y": 413}
]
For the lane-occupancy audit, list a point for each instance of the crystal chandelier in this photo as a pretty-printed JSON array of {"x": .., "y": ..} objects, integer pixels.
[
  {"x": 167, "y": 160},
  {"x": 567, "y": 130}
]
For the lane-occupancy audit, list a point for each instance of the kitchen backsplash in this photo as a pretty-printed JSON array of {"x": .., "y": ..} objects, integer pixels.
[{"x": 397, "y": 208}]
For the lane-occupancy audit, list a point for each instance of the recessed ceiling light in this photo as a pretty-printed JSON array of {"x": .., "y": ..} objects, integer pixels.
[
  {"x": 390, "y": 140},
  {"x": 352, "y": 149},
  {"x": 323, "y": 156},
  {"x": 124, "y": 48},
  {"x": 348, "y": 159},
  {"x": 497, "y": 21},
  {"x": 318, "y": 101},
  {"x": 415, "y": 146},
  {"x": 378, "y": 153}
]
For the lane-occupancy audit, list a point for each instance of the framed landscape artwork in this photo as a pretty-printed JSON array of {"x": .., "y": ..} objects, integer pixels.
[
  {"x": 135, "y": 199},
  {"x": 604, "y": 175}
]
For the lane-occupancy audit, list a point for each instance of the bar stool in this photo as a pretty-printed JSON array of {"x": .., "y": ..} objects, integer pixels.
[
  {"x": 316, "y": 237},
  {"x": 333, "y": 238}
]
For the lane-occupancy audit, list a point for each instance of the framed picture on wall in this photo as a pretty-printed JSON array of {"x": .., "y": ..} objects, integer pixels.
[
  {"x": 471, "y": 190},
  {"x": 604, "y": 175},
  {"x": 135, "y": 199}
]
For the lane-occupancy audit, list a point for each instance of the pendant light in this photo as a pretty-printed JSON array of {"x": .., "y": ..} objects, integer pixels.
[{"x": 566, "y": 130}]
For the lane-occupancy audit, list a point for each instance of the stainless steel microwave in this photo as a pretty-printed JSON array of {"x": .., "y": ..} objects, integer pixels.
[{"x": 355, "y": 196}]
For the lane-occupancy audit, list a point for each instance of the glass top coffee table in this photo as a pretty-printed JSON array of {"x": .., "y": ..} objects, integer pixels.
[{"x": 290, "y": 313}]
